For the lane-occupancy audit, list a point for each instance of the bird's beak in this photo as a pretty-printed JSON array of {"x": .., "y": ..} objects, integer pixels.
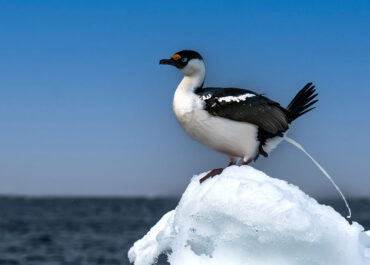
[
  {"x": 165, "y": 61},
  {"x": 170, "y": 62}
]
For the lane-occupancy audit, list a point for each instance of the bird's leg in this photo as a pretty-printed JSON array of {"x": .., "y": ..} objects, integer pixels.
[
  {"x": 211, "y": 174},
  {"x": 233, "y": 161},
  {"x": 245, "y": 162},
  {"x": 217, "y": 171}
]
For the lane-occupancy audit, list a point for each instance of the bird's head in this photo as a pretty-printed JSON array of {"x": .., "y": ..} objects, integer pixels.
[{"x": 188, "y": 61}]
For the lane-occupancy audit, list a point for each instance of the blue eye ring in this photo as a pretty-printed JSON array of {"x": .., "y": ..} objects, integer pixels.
[{"x": 184, "y": 60}]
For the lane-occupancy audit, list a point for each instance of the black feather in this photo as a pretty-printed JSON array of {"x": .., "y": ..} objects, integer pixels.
[
  {"x": 257, "y": 109},
  {"x": 271, "y": 119},
  {"x": 302, "y": 102}
]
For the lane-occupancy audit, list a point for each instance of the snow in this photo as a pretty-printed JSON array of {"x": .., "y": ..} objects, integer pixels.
[{"x": 244, "y": 217}]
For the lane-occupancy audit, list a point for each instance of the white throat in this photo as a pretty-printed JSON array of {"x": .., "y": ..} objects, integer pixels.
[
  {"x": 185, "y": 101},
  {"x": 194, "y": 74}
]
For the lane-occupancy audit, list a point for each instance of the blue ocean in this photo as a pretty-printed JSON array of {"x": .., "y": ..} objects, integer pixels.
[{"x": 87, "y": 231}]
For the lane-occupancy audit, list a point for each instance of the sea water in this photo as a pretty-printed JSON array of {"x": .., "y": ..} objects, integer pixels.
[{"x": 86, "y": 231}]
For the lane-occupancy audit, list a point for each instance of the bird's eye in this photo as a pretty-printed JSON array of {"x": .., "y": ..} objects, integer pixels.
[{"x": 184, "y": 60}]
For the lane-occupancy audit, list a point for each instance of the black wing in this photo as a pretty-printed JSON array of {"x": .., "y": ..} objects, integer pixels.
[{"x": 245, "y": 106}]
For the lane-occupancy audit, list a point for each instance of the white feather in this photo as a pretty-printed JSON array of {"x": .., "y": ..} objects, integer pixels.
[
  {"x": 205, "y": 97},
  {"x": 236, "y": 98},
  {"x": 272, "y": 143}
]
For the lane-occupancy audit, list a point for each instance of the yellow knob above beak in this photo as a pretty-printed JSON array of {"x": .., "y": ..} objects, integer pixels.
[{"x": 176, "y": 57}]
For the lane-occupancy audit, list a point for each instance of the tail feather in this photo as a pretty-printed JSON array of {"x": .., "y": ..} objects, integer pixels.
[{"x": 302, "y": 102}]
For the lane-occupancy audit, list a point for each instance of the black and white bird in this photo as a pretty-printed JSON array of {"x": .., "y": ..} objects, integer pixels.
[{"x": 239, "y": 123}]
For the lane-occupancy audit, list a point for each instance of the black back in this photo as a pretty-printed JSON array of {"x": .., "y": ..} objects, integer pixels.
[{"x": 257, "y": 109}]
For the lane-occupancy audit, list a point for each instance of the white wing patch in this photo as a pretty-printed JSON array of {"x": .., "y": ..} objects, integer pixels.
[
  {"x": 236, "y": 99},
  {"x": 205, "y": 97}
]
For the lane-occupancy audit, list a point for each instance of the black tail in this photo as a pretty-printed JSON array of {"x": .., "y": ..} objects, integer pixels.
[{"x": 302, "y": 102}]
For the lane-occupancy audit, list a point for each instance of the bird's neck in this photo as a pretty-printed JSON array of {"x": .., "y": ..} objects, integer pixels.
[
  {"x": 193, "y": 82},
  {"x": 183, "y": 101}
]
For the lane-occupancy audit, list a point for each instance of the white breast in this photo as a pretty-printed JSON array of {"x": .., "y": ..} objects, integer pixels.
[
  {"x": 232, "y": 138},
  {"x": 184, "y": 104}
]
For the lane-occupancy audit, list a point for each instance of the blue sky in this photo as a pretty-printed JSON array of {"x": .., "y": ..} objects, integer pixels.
[{"x": 85, "y": 109}]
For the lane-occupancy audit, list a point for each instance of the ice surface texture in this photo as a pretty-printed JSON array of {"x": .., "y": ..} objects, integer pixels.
[{"x": 244, "y": 217}]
